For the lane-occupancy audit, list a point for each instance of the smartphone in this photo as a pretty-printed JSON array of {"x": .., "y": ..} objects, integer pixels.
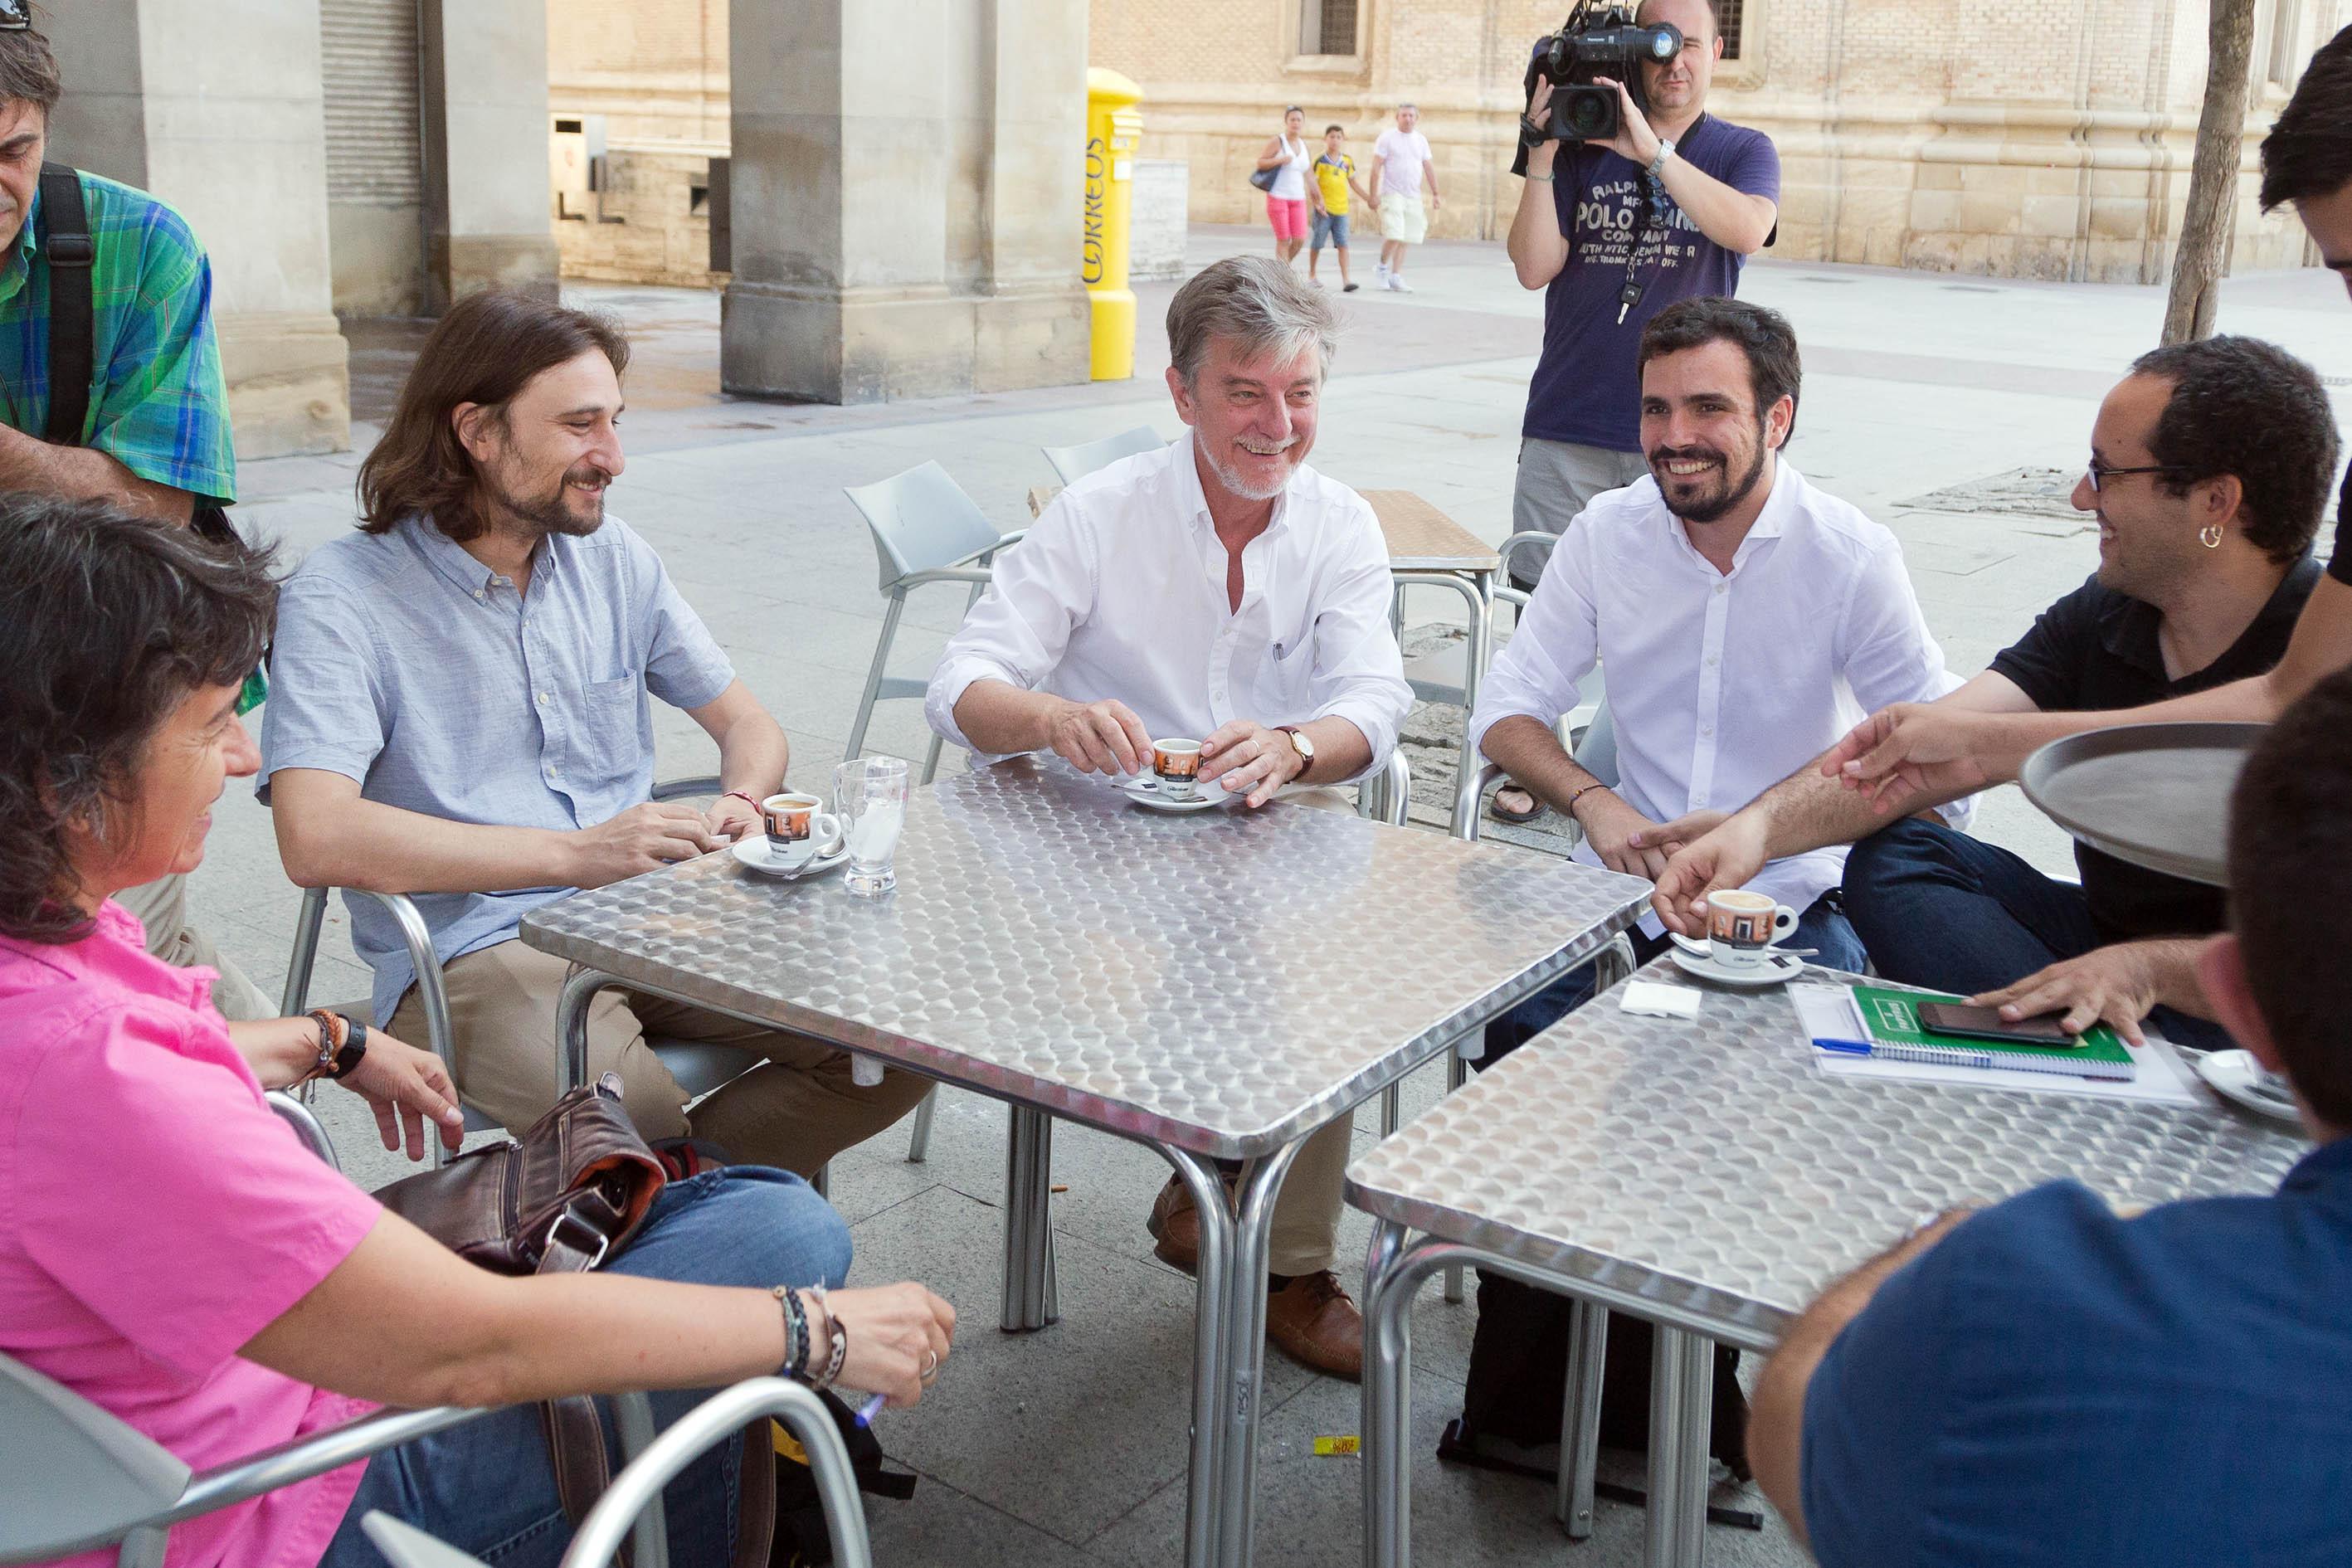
[{"x": 1986, "y": 1023}]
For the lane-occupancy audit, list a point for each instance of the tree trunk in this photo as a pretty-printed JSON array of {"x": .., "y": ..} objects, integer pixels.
[{"x": 2203, "y": 254}]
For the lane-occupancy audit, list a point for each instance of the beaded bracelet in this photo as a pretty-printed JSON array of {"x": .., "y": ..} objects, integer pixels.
[{"x": 796, "y": 1332}]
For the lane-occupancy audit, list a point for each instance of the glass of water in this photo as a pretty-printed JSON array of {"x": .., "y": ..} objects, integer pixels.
[{"x": 870, "y": 795}]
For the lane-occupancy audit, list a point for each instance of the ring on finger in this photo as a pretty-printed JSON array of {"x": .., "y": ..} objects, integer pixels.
[{"x": 931, "y": 1366}]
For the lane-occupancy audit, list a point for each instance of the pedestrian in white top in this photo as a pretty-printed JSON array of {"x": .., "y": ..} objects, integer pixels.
[
  {"x": 1285, "y": 200},
  {"x": 1220, "y": 589},
  {"x": 1740, "y": 615},
  {"x": 1400, "y": 164}
]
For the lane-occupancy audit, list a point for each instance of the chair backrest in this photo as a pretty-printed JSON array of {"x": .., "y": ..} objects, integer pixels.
[
  {"x": 922, "y": 520},
  {"x": 71, "y": 1475},
  {"x": 1596, "y": 751},
  {"x": 1074, "y": 463}
]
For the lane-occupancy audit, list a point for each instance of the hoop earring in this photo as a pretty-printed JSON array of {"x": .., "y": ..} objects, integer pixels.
[{"x": 2211, "y": 536}]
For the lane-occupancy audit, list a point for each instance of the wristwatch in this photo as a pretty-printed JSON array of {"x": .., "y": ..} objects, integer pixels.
[
  {"x": 1665, "y": 151},
  {"x": 1299, "y": 744},
  {"x": 337, "y": 1061}
]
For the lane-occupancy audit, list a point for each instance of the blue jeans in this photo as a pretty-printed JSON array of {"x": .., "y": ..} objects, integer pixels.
[
  {"x": 489, "y": 1486},
  {"x": 1940, "y": 909},
  {"x": 1821, "y": 927}
]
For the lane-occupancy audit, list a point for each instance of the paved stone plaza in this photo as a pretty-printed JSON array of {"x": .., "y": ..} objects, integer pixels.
[{"x": 1951, "y": 409}]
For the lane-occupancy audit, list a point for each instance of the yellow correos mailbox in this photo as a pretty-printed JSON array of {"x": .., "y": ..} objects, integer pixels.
[{"x": 1113, "y": 126}]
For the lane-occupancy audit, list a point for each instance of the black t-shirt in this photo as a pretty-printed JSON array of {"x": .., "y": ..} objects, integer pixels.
[
  {"x": 2340, "y": 568},
  {"x": 2097, "y": 649}
]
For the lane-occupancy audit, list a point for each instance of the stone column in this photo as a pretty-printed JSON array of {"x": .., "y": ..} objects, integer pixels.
[
  {"x": 215, "y": 106},
  {"x": 486, "y": 217},
  {"x": 906, "y": 198}
]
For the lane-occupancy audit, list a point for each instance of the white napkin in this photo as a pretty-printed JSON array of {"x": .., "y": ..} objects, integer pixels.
[{"x": 1651, "y": 1000}]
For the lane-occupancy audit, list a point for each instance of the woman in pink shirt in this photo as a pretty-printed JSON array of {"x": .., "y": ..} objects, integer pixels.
[{"x": 171, "y": 1252}]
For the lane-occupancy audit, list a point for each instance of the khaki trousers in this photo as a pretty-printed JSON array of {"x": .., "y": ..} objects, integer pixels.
[
  {"x": 794, "y": 1114},
  {"x": 1556, "y": 479},
  {"x": 1305, "y": 1238},
  {"x": 162, "y": 907}
]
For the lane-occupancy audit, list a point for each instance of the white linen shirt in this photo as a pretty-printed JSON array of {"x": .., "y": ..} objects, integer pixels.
[
  {"x": 1118, "y": 592},
  {"x": 1721, "y": 685}
]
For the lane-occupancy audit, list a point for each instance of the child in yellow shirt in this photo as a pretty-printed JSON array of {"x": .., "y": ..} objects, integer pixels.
[{"x": 1335, "y": 176}]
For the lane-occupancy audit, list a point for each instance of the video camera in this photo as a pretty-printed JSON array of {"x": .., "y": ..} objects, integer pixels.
[{"x": 1595, "y": 41}]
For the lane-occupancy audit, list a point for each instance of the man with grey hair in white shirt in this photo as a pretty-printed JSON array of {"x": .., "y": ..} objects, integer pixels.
[
  {"x": 1740, "y": 617},
  {"x": 1221, "y": 589}
]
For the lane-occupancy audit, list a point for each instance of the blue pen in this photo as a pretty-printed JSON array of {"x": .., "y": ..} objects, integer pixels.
[
  {"x": 1846, "y": 1048},
  {"x": 870, "y": 1409}
]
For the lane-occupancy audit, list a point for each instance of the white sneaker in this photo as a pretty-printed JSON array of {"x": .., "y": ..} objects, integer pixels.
[
  {"x": 1381, "y": 281},
  {"x": 1397, "y": 282}
]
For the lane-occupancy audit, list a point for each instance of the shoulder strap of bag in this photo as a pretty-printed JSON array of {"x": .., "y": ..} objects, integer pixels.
[{"x": 73, "y": 340}]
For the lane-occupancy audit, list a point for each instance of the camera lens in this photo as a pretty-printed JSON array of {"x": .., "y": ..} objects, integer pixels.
[{"x": 1591, "y": 113}]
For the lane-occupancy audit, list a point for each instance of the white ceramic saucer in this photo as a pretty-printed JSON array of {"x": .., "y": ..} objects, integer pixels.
[
  {"x": 753, "y": 853},
  {"x": 2235, "y": 1075},
  {"x": 1143, "y": 792},
  {"x": 1693, "y": 958}
]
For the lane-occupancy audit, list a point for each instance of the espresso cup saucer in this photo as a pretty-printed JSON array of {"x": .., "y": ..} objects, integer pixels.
[
  {"x": 2236, "y": 1076},
  {"x": 1693, "y": 958},
  {"x": 1144, "y": 791},
  {"x": 752, "y": 853}
]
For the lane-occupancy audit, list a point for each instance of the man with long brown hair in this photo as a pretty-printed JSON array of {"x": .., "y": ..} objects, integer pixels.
[{"x": 459, "y": 713}]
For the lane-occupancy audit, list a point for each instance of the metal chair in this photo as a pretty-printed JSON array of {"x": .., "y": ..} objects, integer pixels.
[
  {"x": 1072, "y": 464},
  {"x": 716, "y": 1420},
  {"x": 926, "y": 530},
  {"x": 698, "y": 1066},
  {"x": 1385, "y": 795}
]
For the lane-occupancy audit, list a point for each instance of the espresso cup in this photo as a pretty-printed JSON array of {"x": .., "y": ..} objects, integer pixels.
[
  {"x": 798, "y": 825},
  {"x": 1741, "y": 927},
  {"x": 1177, "y": 765}
]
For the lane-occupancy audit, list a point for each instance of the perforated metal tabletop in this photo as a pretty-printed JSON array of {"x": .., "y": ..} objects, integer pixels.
[
  {"x": 1708, "y": 1170},
  {"x": 1224, "y": 981}
]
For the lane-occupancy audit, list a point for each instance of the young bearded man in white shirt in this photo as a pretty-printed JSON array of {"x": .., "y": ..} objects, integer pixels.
[
  {"x": 1218, "y": 588},
  {"x": 1741, "y": 616}
]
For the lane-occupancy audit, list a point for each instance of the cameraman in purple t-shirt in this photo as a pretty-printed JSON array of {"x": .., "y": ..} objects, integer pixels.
[{"x": 1614, "y": 232}]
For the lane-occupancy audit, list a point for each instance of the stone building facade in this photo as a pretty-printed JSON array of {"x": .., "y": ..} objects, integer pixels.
[{"x": 2044, "y": 139}]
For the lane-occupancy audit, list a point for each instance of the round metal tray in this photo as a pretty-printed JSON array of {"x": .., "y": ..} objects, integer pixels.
[{"x": 2154, "y": 794}]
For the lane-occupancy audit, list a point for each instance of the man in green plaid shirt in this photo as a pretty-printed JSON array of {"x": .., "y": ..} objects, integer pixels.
[{"x": 157, "y": 439}]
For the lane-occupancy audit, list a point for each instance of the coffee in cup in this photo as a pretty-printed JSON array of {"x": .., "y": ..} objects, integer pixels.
[
  {"x": 798, "y": 825},
  {"x": 1741, "y": 927},
  {"x": 1176, "y": 764}
]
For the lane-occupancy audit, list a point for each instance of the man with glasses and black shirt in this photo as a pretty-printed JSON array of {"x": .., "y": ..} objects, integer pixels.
[
  {"x": 111, "y": 386},
  {"x": 2209, "y": 466}
]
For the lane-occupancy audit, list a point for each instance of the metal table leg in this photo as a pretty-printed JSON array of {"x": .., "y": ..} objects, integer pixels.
[
  {"x": 1579, "y": 1416},
  {"x": 1457, "y": 1073},
  {"x": 571, "y": 1026},
  {"x": 1388, "y": 1399},
  {"x": 1205, "y": 1485},
  {"x": 1029, "y": 1221},
  {"x": 1682, "y": 1392},
  {"x": 1242, "y": 1372}
]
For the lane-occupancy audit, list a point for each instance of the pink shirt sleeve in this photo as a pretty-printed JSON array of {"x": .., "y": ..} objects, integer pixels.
[{"x": 163, "y": 1193}]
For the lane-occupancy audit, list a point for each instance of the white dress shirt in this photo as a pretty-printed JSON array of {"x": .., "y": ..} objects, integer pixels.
[
  {"x": 1119, "y": 592},
  {"x": 1721, "y": 685}
]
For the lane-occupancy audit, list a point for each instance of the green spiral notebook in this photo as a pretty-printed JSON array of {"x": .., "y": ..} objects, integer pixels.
[{"x": 1891, "y": 1018}]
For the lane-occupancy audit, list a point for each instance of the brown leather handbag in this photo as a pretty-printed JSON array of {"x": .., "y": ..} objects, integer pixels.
[{"x": 563, "y": 1199}]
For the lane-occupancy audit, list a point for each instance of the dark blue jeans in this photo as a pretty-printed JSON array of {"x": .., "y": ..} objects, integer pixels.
[
  {"x": 1822, "y": 927},
  {"x": 489, "y": 1487},
  {"x": 1940, "y": 909}
]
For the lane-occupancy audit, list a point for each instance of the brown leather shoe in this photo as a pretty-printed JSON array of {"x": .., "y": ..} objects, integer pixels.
[
  {"x": 1175, "y": 1227},
  {"x": 1312, "y": 1321}
]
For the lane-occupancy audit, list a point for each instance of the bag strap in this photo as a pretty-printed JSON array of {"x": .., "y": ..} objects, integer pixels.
[
  {"x": 73, "y": 342},
  {"x": 575, "y": 1436}
]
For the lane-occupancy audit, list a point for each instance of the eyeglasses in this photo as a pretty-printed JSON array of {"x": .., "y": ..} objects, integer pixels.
[
  {"x": 2098, "y": 473},
  {"x": 16, "y": 15}
]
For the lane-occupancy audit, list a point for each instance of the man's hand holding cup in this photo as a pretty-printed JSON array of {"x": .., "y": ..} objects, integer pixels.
[
  {"x": 1103, "y": 737},
  {"x": 1246, "y": 755}
]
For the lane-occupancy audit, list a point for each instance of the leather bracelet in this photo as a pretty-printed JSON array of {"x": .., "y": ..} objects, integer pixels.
[
  {"x": 1569, "y": 808},
  {"x": 837, "y": 1351},
  {"x": 744, "y": 796}
]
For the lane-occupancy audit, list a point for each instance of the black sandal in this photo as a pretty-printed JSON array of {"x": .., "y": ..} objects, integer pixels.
[{"x": 1502, "y": 813}]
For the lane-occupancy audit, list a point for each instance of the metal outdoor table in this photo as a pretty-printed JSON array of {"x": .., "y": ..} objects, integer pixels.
[
  {"x": 1703, "y": 1175},
  {"x": 1056, "y": 947}
]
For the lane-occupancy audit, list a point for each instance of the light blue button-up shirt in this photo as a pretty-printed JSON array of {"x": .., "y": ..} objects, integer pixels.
[{"x": 404, "y": 664}]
